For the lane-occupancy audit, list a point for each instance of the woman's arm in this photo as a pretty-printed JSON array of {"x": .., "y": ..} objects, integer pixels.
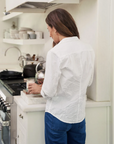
[
  {"x": 52, "y": 75},
  {"x": 34, "y": 88}
]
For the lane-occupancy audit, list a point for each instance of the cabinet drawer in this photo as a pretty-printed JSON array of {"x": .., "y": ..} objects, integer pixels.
[{"x": 22, "y": 117}]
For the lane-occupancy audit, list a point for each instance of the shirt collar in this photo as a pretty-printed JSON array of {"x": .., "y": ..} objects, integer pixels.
[{"x": 67, "y": 39}]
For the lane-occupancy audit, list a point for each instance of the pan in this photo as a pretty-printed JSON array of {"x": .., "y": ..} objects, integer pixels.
[{"x": 5, "y": 74}]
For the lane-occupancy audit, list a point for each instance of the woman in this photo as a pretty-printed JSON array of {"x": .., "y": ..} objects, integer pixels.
[{"x": 69, "y": 71}]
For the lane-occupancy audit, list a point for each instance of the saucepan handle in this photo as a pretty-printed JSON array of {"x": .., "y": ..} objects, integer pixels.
[{"x": 37, "y": 66}]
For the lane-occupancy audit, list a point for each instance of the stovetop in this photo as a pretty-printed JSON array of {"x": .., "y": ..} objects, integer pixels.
[{"x": 14, "y": 86}]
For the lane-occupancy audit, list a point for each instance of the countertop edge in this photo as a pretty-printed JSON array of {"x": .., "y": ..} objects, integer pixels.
[{"x": 41, "y": 107}]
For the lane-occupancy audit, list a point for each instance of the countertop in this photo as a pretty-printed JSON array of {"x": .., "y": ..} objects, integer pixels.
[{"x": 41, "y": 107}]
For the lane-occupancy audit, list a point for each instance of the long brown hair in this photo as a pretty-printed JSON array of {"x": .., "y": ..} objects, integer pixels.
[{"x": 63, "y": 22}]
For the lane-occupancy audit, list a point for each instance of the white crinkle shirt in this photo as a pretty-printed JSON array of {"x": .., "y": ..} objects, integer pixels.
[{"x": 69, "y": 71}]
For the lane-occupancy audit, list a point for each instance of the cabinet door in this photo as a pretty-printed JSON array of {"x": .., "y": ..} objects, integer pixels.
[
  {"x": 30, "y": 127},
  {"x": 98, "y": 125},
  {"x": 21, "y": 134},
  {"x": 21, "y": 127},
  {"x": 22, "y": 117},
  {"x": 11, "y": 4}
]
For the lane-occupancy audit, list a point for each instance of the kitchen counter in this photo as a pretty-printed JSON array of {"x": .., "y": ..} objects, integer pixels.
[
  {"x": 41, "y": 107},
  {"x": 27, "y": 108}
]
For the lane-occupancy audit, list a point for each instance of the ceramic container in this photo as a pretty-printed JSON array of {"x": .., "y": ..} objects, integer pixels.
[
  {"x": 32, "y": 36},
  {"x": 21, "y": 34},
  {"x": 28, "y": 82},
  {"x": 7, "y": 35},
  {"x": 38, "y": 35},
  {"x": 17, "y": 35},
  {"x": 30, "y": 32},
  {"x": 25, "y": 36}
]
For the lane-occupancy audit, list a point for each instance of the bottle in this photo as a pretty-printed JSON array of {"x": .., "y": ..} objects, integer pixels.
[
  {"x": 33, "y": 57},
  {"x": 13, "y": 27}
]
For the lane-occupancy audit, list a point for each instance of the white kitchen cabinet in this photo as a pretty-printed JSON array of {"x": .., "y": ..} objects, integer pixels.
[
  {"x": 30, "y": 127},
  {"x": 36, "y": 5},
  {"x": 30, "y": 122}
]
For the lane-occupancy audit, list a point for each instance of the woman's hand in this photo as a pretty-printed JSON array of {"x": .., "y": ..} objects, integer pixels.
[{"x": 34, "y": 88}]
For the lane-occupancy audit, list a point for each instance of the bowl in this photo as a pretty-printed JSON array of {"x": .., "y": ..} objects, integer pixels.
[
  {"x": 25, "y": 28},
  {"x": 12, "y": 37},
  {"x": 23, "y": 31},
  {"x": 21, "y": 34},
  {"x": 30, "y": 32},
  {"x": 32, "y": 36}
]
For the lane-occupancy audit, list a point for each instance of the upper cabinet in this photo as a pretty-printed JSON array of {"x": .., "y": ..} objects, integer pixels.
[{"x": 34, "y": 5}]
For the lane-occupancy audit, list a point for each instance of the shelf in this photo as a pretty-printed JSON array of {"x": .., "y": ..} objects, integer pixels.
[
  {"x": 11, "y": 15},
  {"x": 24, "y": 42}
]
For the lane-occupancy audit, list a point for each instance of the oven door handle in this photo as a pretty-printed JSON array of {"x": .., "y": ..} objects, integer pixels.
[{"x": 4, "y": 123}]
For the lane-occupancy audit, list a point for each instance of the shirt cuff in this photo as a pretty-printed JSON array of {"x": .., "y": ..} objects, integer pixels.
[{"x": 43, "y": 94}]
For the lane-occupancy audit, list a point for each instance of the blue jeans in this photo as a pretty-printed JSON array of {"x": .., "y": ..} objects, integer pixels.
[{"x": 58, "y": 132}]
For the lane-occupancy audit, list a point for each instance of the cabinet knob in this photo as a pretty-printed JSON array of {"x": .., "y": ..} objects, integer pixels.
[
  {"x": 21, "y": 116},
  {"x": 16, "y": 140}
]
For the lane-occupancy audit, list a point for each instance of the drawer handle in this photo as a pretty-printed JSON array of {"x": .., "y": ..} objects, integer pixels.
[{"x": 21, "y": 116}]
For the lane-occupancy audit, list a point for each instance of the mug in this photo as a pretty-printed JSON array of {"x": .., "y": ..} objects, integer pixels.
[
  {"x": 25, "y": 36},
  {"x": 38, "y": 35},
  {"x": 28, "y": 82},
  {"x": 7, "y": 35}
]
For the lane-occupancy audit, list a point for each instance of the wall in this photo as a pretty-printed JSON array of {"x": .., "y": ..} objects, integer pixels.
[{"x": 37, "y": 23}]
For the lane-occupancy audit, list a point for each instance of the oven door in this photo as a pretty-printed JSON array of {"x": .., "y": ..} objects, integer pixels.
[{"x": 4, "y": 128}]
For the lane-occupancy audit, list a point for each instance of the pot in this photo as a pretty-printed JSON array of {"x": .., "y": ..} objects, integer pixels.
[
  {"x": 40, "y": 74},
  {"x": 39, "y": 77},
  {"x": 30, "y": 70}
]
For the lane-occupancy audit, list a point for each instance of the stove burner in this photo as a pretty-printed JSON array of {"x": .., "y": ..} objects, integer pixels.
[{"x": 15, "y": 88}]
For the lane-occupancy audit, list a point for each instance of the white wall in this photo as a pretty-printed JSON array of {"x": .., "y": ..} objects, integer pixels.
[{"x": 37, "y": 23}]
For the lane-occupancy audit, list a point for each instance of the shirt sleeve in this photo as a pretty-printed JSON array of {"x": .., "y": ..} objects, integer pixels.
[
  {"x": 52, "y": 76},
  {"x": 91, "y": 79},
  {"x": 92, "y": 65}
]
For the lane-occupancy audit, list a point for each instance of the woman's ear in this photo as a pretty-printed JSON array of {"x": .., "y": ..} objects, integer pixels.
[{"x": 55, "y": 31}]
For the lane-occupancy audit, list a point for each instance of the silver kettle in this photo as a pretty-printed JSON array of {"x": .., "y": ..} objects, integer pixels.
[{"x": 40, "y": 74}]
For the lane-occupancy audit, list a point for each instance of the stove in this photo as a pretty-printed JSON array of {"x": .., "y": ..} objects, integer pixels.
[
  {"x": 14, "y": 86},
  {"x": 8, "y": 90}
]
